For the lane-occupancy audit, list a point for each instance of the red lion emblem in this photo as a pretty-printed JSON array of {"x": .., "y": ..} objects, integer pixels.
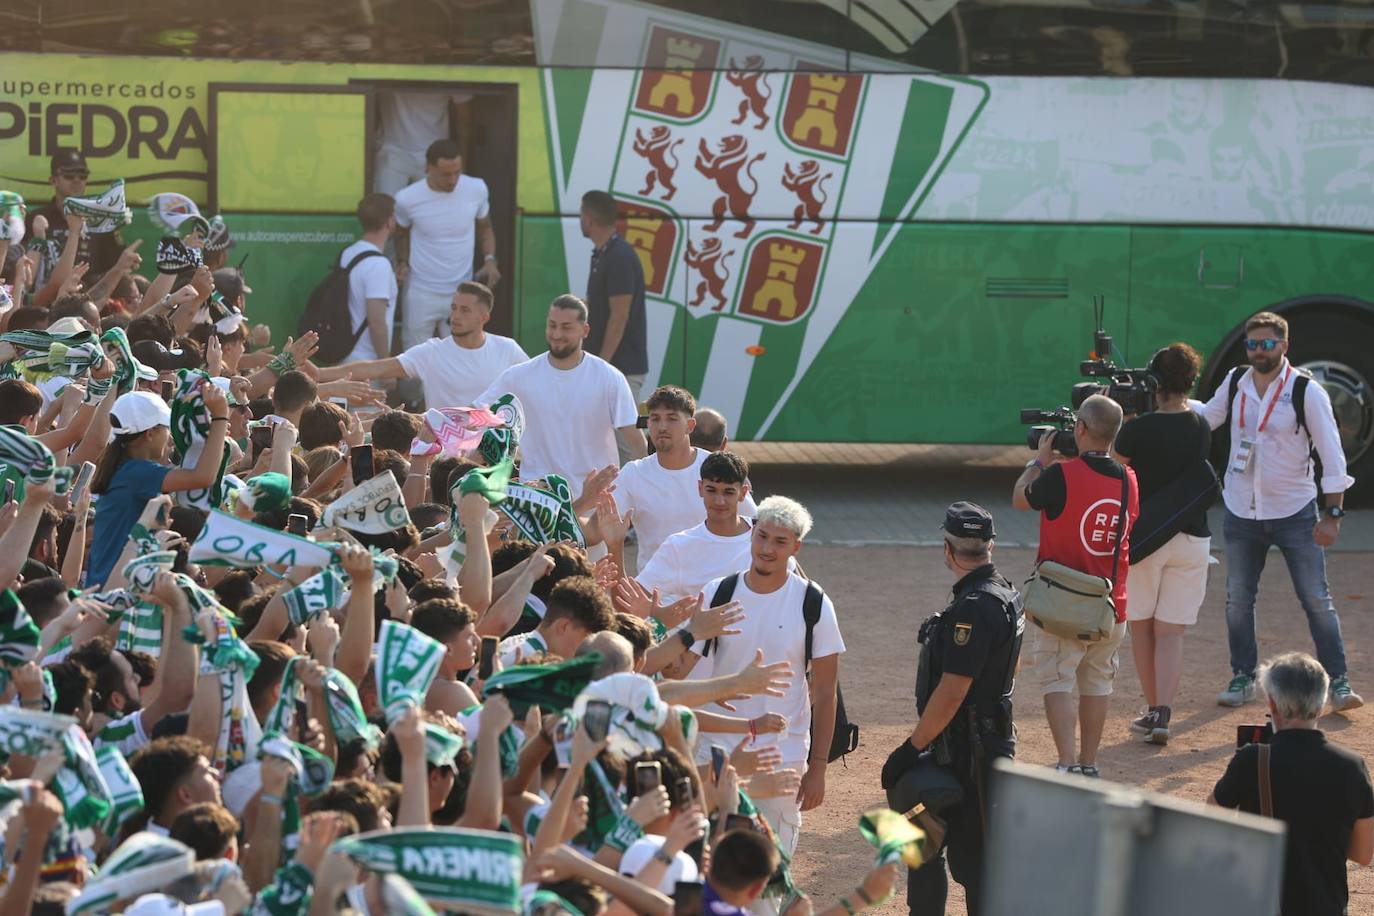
[
  {"x": 714, "y": 276},
  {"x": 724, "y": 168},
  {"x": 752, "y": 81},
  {"x": 659, "y": 149},
  {"x": 808, "y": 184}
]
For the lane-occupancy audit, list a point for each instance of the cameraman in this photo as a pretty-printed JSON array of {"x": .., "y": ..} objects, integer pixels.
[
  {"x": 1320, "y": 790},
  {"x": 1168, "y": 451}
]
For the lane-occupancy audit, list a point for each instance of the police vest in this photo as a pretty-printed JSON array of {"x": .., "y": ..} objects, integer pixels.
[{"x": 1001, "y": 662}]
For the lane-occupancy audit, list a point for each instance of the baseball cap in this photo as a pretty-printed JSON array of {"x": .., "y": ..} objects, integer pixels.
[
  {"x": 218, "y": 238},
  {"x": 153, "y": 354},
  {"x": 137, "y": 412},
  {"x": 65, "y": 159},
  {"x": 230, "y": 284},
  {"x": 166, "y": 905},
  {"x": 968, "y": 520}
]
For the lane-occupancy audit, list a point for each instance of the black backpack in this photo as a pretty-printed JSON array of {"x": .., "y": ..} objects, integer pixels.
[
  {"x": 1221, "y": 440},
  {"x": 326, "y": 312},
  {"x": 846, "y": 737}
]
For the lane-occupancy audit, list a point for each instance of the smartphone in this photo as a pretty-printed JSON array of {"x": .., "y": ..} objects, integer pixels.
[
  {"x": 183, "y": 552},
  {"x": 597, "y": 719},
  {"x": 682, "y": 791},
  {"x": 738, "y": 822},
  {"x": 718, "y": 758},
  {"x": 486, "y": 662},
  {"x": 259, "y": 438},
  {"x": 302, "y": 718},
  {"x": 297, "y": 524},
  {"x": 168, "y": 388},
  {"x": 1254, "y": 734},
  {"x": 342, "y": 402},
  {"x": 562, "y": 745},
  {"x": 83, "y": 480},
  {"x": 648, "y": 775},
  {"x": 360, "y": 459},
  {"x": 687, "y": 898}
]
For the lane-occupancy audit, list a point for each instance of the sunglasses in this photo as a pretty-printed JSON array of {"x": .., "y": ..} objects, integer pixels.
[
  {"x": 75, "y": 173},
  {"x": 1268, "y": 344}
]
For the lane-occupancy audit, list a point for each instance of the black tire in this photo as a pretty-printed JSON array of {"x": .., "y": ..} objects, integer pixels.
[{"x": 1335, "y": 347}]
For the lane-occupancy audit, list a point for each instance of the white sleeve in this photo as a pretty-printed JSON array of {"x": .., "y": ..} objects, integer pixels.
[
  {"x": 498, "y": 387},
  {"x": 1326, "y": 438},
  {"x": 376, "y": 278},
  {"x": 663, "y": 572},
  {"x": 1214, "y": 411},
  {"x": 624, "y": 410},
  {"x": 484, "y": 208},
  {"x": 413, "y": 361},
  {"x": 825, "y": 638},
  {"x": 402, "y": 212}
]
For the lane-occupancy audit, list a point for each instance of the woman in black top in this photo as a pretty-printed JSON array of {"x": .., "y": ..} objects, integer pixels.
[{"x": 1170, "y": 542}]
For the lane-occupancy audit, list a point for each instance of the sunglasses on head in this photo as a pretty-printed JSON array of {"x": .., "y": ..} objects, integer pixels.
[{"x": 1268, "y": 344}]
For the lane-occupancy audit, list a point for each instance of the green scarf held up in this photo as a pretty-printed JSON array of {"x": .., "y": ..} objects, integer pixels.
[
  {"x": 102, "y": 214},
  {"x": 551, "y": 687},
  {"x": 19, "y": 635},
  {"x": 31, "y": 458},
  {"x": 86, "y": 798},
  {"x": 190, "y": 432},
  {"x": 475, "y": 871},
  {"x": 407, "y": 663},
  {"x": 542, "y": 510},
  {"x": 127, "y": 369},
  {"x": 143, "y": 863}
]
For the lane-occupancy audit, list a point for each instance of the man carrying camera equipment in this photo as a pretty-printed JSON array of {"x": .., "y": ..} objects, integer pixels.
[
  {"x": 963, "y": 697},
  {"x": 1168, "y": 449},
  {"x": 1087, "y": 506},
  {"x": 1320, "y": 790},
  {"x": 1284, "y": 444}
]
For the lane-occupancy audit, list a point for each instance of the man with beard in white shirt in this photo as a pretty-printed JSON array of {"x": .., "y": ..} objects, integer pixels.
[
  {"x": 771, "y": 596},
  {"x": 662, "y": 494},
  {"x": 575, "y": 403}
]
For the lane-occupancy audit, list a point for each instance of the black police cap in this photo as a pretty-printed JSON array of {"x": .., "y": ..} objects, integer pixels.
[
  {"x": 927, "y": 783},
  {"x": 968, "y": 520}
]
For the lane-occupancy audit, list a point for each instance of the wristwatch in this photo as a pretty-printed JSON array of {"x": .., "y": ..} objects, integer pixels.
[
  {"x": 688, "y": 640},
  {"x": 1335, "y": 512},
  {"x": 1035, "y": 463},
  {"x": 490, "y": 257}
]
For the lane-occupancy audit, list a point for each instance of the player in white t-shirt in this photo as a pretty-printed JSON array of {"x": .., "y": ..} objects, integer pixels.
[
  {"x": 372, "y": 282},
  {"x": 440, "y": 217},
  {"x": 575, "y": 403},
  {"x": 771, "y": 596},
  {"x": 456, "y": 369}
]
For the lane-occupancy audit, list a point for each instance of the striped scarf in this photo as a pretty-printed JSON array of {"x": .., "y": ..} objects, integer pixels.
[
  {"x": 141, "y": 627},
  {"x": 314, "y": 596},
  {"x": 86, "y": 798},
  {"x": 46, "y": 355},
  {"x": 542, "y": 510},
  {"x": 19, "y": 636},
  {"x": 144, "y": 862},
  {"x": 190, "y": 428},
  {"x": 32, "y": 458},
  {"x": 105, "y": 213},
  {"x": 173, "y": 256},
  {"x": 127, "y": 369},
  {"x": 125, "y": 792}
]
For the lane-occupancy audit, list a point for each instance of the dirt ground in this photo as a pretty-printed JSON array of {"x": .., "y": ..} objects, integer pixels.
[{"x": 883, "y": 593}]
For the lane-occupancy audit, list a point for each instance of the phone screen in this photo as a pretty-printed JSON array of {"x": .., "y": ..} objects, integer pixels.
[
  {"x": 597, "y": 719},
  {"x": 717, "y": 759},
  {"x": 687, "y": 898},
  {"x": 648, "y": 775},
  {"x": 83, "y": 480},
  {"x": 487, "y": 662},
  {"x": 259, "y": 439},
  {"x": 297, "y": 524},
  {"x": 360, "y": 459},
  {"x": 167, "y": 389},
  {"x": 684, "y": 791}
]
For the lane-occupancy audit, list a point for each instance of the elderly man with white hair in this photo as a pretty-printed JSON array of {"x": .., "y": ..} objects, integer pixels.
[{"x": 771, "y": 597}]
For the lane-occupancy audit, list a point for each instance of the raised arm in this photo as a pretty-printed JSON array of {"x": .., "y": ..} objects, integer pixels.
[
  {"x": 203, "y": 474},
  {"x": 483, "y": 810},
  {"x": 355, "y": 642}
]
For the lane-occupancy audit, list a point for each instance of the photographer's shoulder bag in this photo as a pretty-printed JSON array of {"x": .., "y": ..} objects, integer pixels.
[
  {"x": 846, "y": 735},
  {"x": 1071, "y": 604}
]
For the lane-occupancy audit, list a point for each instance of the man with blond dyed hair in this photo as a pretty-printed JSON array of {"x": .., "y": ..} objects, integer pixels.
[{"x": 771, "y": 598}]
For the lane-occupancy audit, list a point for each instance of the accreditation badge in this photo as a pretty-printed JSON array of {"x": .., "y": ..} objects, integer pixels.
[{"x": 1245, "y": 453}]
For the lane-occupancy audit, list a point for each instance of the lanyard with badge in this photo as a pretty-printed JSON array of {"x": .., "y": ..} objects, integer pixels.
[{"x": 1245, "y": 451}]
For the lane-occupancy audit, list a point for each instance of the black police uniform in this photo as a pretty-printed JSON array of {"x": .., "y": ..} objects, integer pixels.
[{"x": 979, "y": 636}]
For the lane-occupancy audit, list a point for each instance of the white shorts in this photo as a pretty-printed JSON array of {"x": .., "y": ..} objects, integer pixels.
[
  {"x": 424, "y": 315},
  {"x": 1170, "y": 583},
  {"x": 1063, "y": 664}
]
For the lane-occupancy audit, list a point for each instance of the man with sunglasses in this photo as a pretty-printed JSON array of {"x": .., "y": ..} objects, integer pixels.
[
  {"x": 1275, "y": 464},
  {"x": 68, "y": 175}
]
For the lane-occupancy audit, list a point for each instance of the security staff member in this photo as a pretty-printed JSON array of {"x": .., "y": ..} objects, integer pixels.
[{"x": 963, "y": 697}]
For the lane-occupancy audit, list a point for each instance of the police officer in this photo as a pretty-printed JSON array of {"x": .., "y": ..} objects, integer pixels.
[{"x": 963, "y": 697}]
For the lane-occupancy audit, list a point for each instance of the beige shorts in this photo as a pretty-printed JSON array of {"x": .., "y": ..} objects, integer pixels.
[
  {"x": 1063, "y": 664},
  {"x": 1170, "y": 583}
]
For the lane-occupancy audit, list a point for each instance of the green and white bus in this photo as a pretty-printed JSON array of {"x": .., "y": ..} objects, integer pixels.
[{"x": 867, "y": 221}]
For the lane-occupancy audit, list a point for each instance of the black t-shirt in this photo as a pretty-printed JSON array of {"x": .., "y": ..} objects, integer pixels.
[
  {"x": 1319, "y": 789},
  {"x": 1049, "y": 492},
  {"x": 100, "y": 251},
  {"x": 1161, "y": 447},
  {"x": 617, "y": 271}
]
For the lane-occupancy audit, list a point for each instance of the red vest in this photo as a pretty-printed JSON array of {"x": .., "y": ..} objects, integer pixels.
[{"x": 1083, "y": 536}]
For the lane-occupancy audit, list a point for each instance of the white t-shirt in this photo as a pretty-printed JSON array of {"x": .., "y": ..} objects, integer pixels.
[
  {"x": 571, "y": 415},
  {"x": 515, "y": 649},
  {"x": 665, "y": 502},
  {"x": 773, "y": 623},
  {"x": 443, "y": 227},
  {"x": 686, "y": 561},
  {"x": 412, "y": 120},
  {"x": 373, "y": 278},
  {"x": 641, "y": 853},
  {"x": 455, "y": 376}
]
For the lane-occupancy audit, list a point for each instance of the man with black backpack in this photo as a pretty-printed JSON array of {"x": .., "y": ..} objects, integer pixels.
[
  {"x": 775, "y": 601},
  {"x": 1283, "y": 445}
]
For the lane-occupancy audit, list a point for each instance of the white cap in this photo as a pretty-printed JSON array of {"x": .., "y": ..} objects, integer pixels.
[
  {"x": 139, "y": 411},
  {"x": 164, "y": 905}
]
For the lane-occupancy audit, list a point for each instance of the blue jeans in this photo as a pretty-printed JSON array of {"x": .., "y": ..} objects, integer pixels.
[{"x": 1247, "y": 543}]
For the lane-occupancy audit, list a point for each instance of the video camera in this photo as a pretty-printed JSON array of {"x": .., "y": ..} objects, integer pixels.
[{"x": 1133, "y": 389}]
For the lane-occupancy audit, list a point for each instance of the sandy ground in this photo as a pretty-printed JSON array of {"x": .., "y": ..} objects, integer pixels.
[{"x": 882, "y": 594}]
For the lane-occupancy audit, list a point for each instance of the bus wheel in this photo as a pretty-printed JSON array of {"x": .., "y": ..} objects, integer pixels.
[{"x": 1334, "y": 348}]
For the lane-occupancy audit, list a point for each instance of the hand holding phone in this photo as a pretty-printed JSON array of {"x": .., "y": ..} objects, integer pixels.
[
  {"x": 597, "y": 719},
  {"x": 259, "y": 438},
  {"x": 360, "y": 460},
  {"x": 718, "y": 758},
  {"x": 486, "y": 663},
  {"x": 648, "y": 775}
]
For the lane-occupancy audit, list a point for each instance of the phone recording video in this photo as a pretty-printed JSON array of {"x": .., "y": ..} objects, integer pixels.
[
  {"x": 648, "y": 775},
  {"x": 360, "y": 460},
  {"x": 597, "y": 719},
  {"x": 168, "y": 388},
  {"x": 259, "y": 438},
  {"x": 297, "y": 524},
  {"x": 83, "y": 480},
  {"x": 1254, "y": 734},
  {"x": 486, "y": 662},
  {"x": 718, "y": 758}
]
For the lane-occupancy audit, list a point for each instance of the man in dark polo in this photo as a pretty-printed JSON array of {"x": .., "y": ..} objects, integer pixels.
[
  {"x": 68, "y": 174},
  {"x": 615, "y": 293}
]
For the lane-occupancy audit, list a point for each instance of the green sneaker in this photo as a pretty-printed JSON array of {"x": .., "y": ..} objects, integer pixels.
[
  {"x": 1343, "y": 699},
  {"x": 1240, "y": 691}
]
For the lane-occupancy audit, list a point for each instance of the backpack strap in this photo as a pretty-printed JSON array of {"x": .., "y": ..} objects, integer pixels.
[
  {"x": 358, "y": 258},
  {"x": 1232, "y": 388},
  {"x": 811, "y": 613},
  {"x": 1266, "y": 788},
  {"x": 724, "y": 592}
]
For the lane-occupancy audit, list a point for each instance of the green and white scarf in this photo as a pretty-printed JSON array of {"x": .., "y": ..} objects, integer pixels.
[
  {"x": 141, "y": 628},
  {"x": 127, "y": 368},
  {"x": 32, "y": 458},
  {"x": 228, "y": 658},
  {"x": 540, "y": 902},
  {"x": 102, "y": 214},
  {"x": 143, "y": 863},
  {"x": 19, "y": 636},
  {"x": 441, "y": 745},
  {"x": 289, "y": 893},
  {"x": 551, "y": 687},
  {"x": 407, "y": 663},
  {"x": 190, "y": 429},
  {"x": 508, "y": 746},
  {"x": 896, "y": 838},
  {"x": 266, "y": 492},
  {"x": 346, "y": 713},
  {"x": 45, "y": 355},
  {"x": 321, "y": 592},
  {"x": 542, "y": 510},
  {"x": 29, "y": 733},
  {"x": 502, "y": 441},
  {"x": 125, "y": 792},
  {"x": 86, "y": 799},
  {"x": 313, "y": 770},
  {"x": 475, "y": 871},
  {"x": 373, "y": 507},
  {"x": 229, "y": 541}
]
